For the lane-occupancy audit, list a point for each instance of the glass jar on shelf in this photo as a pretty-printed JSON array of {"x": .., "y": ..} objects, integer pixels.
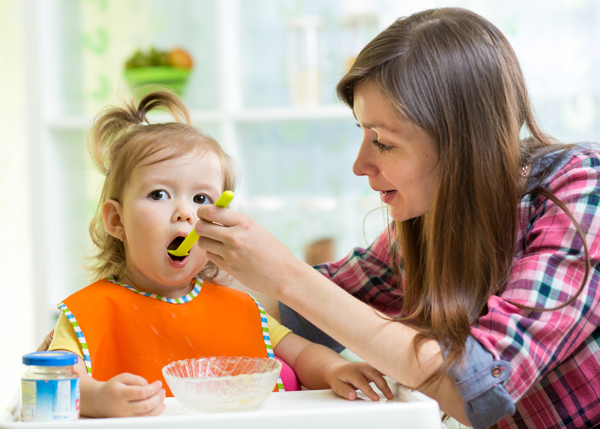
[
  {"x": 303, "y": 59},
  {"x": 358, "y": 29}
]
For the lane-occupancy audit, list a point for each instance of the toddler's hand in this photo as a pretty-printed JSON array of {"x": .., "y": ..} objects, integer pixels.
[
  {"x": 128, "y": 395},
  {"x": 47, "y": 341},
  {"x": 345, "y": 379}
]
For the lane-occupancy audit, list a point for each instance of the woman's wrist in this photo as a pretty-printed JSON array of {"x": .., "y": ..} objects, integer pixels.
[{"x": 289, "y": 285}]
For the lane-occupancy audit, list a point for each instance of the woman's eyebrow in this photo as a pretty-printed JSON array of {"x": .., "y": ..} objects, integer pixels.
[{"x": 381, "y": 126}]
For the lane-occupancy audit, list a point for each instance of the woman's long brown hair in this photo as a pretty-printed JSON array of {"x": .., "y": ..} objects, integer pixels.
[{"x": 454, "y": 74}]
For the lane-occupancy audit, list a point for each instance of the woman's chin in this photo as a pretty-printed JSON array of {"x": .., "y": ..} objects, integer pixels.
[{"x": 397, "y": 214}]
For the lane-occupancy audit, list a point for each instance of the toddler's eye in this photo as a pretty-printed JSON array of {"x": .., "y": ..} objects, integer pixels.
[
  {"x": 158, "y": 195},
  {"x": 202, "y": 199}
]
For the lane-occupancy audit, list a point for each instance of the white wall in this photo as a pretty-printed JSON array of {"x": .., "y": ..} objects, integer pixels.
[{"x": 16, "y": 282}]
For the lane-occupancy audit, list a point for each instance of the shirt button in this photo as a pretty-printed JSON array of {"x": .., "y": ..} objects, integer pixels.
[{"x": 496, "y": 371}]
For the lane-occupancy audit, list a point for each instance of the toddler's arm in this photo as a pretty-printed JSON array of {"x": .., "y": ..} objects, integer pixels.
[
  {"x": 125, "y": 395},
  {"x": 47, "y": 341},
  {"x": 319, "y": 367}
]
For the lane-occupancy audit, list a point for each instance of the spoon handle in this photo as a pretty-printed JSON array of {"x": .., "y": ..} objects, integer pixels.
[
  {"x": 224, "y": 200},
  {"x": 184, "y": 248},
  {"x": 186, "y": 245}
]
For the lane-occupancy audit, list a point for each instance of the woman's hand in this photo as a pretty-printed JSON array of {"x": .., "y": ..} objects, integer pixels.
[{"x": 244, "y": 249}]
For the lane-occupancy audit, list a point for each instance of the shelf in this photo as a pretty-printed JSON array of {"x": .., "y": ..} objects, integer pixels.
[
  {"x": 272, "y": 114},
  {"x": 294, "y": 113},
  {"x": 85, "y": 121}
]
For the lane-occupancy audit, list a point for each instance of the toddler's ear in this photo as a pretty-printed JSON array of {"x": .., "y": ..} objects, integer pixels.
[{"x": 111, "y": 218}]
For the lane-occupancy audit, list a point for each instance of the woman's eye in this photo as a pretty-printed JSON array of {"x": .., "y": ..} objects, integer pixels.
[
  {"x": 382, "y": 147},
  {"x": 202, "y": 199},
  {"x": 158, "y": 195}
]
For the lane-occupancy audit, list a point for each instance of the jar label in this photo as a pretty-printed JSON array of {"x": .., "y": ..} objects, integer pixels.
[{"x": 49, "y": 400}]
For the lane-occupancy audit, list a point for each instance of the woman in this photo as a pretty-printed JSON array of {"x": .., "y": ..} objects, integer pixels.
[{"x": 486, "y": 282}]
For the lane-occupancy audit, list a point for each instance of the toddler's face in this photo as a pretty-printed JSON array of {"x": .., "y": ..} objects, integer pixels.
[{"x": 159, "y": 205}]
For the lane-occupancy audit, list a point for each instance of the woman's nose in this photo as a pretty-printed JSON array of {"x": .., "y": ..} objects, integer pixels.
[{"x": 364, "y": 165}]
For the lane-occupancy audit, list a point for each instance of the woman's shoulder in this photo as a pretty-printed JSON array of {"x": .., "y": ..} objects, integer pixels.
[
  {"x": 581, "y": 161},
  {"x": 583, "y": 155}
]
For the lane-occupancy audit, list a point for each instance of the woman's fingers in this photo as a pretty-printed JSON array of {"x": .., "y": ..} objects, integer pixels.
[
  {"x": 244, "y": 249},
  {"x": 214, "y": 246},
  {"x": 228, "y": 247},
  {"x": 223, "y": 217}
]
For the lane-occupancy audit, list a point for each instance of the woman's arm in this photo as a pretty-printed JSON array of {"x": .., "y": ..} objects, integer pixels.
[
  {"x": 366, "y": 274},
  {"x": 385, "y": 344},
  {"x": 258, "y": 260}
]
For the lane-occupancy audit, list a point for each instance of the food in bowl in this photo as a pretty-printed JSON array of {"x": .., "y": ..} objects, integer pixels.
[{"x": 222, "y": 383}]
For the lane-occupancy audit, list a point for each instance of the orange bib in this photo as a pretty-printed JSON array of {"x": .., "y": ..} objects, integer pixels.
[{"x": 123, "y": 330}]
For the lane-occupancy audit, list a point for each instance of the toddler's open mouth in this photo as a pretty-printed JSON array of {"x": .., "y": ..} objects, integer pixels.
[{"x": 174, "y": 245}]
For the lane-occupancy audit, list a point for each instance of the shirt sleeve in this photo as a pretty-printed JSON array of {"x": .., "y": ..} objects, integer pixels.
[
  {"x": 276, "y": 330},
  {"x": 65, "y": 337},
  {"x": 368, "y": 274},
  {"x": 512, "y": 349}
]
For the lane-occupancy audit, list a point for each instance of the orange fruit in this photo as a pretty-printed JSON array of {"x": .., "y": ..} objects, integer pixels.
[{"x": 180, "y": 58}]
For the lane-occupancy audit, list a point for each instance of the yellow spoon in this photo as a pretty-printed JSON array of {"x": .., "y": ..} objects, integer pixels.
[{"x": 184, "y": 248}]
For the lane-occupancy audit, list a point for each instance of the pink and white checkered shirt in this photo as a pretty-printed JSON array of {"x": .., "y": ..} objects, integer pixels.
[{"x": 542, "y": 368}]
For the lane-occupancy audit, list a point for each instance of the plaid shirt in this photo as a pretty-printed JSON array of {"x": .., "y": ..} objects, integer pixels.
[{"x": 542, "y": 368}]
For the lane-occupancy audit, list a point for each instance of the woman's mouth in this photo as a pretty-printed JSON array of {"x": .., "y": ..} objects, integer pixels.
[{"x": 387, "y": 196}]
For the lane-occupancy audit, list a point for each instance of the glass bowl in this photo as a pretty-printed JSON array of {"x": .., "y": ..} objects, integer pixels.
[{"x": 222, "y": 383}]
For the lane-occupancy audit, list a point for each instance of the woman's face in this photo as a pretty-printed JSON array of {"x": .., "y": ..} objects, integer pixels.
[{"x": 398, "y": 157}]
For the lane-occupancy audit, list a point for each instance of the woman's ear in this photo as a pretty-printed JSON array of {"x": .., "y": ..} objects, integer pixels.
[{"x": 111, "y": 218}]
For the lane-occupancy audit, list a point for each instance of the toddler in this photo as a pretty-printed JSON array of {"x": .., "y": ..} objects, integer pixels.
[{"x": 149, "y": 308}]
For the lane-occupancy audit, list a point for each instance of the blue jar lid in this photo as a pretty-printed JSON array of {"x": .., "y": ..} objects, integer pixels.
[{"x": 50, "y": 359}]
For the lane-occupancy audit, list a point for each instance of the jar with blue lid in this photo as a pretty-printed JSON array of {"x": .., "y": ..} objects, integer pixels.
[{"x": 49, "y": 387}]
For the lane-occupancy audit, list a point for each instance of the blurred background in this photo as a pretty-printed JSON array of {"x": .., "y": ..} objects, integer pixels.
[{"x": 259, "y": 76}]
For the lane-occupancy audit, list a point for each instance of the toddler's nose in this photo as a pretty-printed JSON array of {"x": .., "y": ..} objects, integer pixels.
[{"x": 183, "y": 214}]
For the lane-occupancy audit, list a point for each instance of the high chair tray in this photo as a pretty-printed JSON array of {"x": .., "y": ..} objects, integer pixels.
[{"x": 307, "y": 409}]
